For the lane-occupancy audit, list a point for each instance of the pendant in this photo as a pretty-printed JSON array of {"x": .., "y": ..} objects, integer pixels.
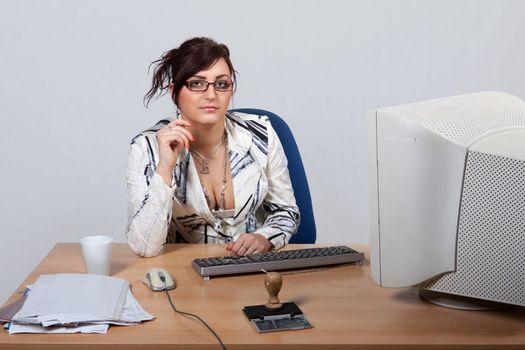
[{"x": 205, "y": 167}]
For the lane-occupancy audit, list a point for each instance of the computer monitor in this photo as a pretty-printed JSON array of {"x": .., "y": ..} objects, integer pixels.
[{"x": 447, "y": 198}]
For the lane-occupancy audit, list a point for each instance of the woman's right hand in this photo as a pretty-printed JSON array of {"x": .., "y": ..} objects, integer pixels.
[{"x": 171, "y": 139}]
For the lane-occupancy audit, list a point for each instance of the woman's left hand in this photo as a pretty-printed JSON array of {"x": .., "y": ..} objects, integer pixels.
[{"x": 249, "y": 243}]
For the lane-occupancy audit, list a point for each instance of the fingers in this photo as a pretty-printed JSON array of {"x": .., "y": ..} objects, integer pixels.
[
  {"x": 171, "y": 138},
  {"x": 179, "y": 126},
  {"x": 248, "y": 244},
  {"x": 252, "y": 249},
  {"x": 238, "y": 247},
  {"x": 180, "y": 122},
  {"x": 180, "y": 137},
  {"x": 175, "y": 133}
]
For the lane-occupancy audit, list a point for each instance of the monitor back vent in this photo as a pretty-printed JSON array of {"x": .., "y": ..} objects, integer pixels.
[
  {"x": 463, "y": 126},
  {"x": 464, "y": 118},
  {"x": 491, "y": 232}
]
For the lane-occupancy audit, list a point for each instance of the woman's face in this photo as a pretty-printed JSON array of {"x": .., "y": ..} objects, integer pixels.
[{"x": 207, "y": 107}]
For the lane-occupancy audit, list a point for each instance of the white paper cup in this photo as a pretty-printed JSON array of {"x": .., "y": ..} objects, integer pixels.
[{"x": 96, "y": 251}]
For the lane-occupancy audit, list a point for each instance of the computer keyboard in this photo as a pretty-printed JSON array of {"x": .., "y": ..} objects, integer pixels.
[{"x": 276, "y": 260}]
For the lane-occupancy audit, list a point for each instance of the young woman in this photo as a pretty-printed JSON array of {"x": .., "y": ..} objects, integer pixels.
[{"x": 207, "y": 175}]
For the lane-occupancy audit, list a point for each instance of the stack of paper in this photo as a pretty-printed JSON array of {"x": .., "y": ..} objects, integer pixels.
[{"x": 71, "y": 303}]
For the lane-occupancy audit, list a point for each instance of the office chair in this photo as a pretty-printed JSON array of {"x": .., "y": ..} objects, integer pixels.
[{"x": 306, "y": 232}]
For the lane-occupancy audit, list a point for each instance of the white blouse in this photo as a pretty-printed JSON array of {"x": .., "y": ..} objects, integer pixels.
[{"x": 264, "y": 198}]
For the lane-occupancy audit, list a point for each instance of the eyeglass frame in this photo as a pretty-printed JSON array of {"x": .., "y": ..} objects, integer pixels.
[{"x": 187, "y": 85}]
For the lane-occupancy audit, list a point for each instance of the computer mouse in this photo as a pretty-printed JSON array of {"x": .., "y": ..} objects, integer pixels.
[{"x": 158, "y": 279}]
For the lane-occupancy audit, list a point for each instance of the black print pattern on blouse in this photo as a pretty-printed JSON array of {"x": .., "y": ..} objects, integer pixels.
[
  {"x": 179, "y": 238},
  {"x": 244, "y": 206},
  {"x": 279, "y": 217},
  {"x": 190, "y": 222},
  {"x": 150, "y": 168},
  {"x": 251, "y": 221},
  {"x": 180, "y": 174},
  {"x": 146, "y": 197},
  {"x": 260, "y": 135},
  {"x": 237, "y": 163},
  {"x": 256, "y": 127}
]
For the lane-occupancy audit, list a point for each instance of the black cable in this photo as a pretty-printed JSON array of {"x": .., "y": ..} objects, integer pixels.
[{"x": 192, "y": 315}]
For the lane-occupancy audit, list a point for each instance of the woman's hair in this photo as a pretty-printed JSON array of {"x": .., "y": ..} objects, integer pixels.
[{"x": 178, "y": 64}]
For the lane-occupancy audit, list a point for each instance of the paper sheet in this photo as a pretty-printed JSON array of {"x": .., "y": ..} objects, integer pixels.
[{"x": 69, "y": 303}]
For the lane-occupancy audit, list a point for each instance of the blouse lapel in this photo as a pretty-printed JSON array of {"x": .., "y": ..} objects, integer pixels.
[{"x": 244, "y": 168}]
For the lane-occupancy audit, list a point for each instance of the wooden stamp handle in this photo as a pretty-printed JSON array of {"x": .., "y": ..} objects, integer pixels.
[{"x": 273, "y": 283}]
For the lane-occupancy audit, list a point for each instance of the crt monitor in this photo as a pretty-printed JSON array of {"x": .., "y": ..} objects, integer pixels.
[{"x": 447, "y": 198}]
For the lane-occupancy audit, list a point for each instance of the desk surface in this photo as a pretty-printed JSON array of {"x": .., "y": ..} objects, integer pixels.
[{"x": 346, "y": 308}]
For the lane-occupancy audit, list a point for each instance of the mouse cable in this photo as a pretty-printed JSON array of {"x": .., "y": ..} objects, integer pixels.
[{"x": 194, "y": 316}]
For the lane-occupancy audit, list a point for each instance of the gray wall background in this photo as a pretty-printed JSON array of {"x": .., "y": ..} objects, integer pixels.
[{"x": 73, "y": 74}]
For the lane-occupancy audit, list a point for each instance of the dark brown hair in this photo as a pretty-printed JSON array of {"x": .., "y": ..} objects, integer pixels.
[{"x": 178, "y": 64}]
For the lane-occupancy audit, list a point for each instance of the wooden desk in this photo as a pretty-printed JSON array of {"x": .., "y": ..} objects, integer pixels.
[{"x": 347, "y": 309}]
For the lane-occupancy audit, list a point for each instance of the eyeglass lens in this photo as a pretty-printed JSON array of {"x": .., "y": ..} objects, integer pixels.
[{"x": 222, "y": 85}]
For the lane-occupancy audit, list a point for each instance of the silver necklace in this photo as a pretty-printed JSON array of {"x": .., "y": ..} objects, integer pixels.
[
  {"x": 223, "y": 186},
  {"x": 206, "y": 160}
]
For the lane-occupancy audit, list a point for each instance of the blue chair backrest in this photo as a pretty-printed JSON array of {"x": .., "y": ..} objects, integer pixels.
[{"x": 306, "y": 232}]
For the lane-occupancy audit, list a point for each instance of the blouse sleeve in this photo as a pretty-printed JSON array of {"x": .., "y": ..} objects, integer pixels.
[
  {"x": 150, "y": 199},
  {"x": 282, "y": 213}
]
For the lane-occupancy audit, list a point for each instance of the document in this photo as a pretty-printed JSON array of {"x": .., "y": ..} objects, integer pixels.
[
  {"x": 8, "y": 311},
  {"x": 68, "y": 303}
]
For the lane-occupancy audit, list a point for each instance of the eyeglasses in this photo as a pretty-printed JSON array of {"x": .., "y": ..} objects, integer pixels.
[{"x": 202, "y": 85}]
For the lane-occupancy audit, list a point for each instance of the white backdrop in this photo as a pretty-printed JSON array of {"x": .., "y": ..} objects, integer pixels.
[{"x": 73, "y": 74}]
